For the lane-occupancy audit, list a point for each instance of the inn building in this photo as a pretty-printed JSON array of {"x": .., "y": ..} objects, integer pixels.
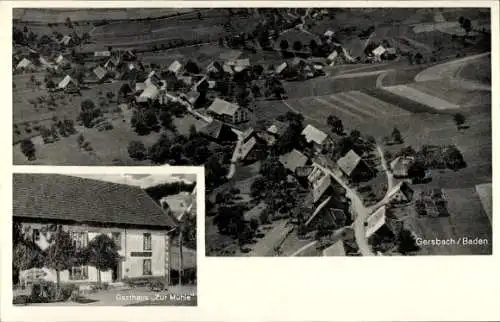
[{"x": 86, "y": 208}]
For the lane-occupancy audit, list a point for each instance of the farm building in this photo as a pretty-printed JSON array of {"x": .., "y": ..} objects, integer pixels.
[
  {"x": 375, "y": 221},
  {"x": 228, "y": 112},
  {"x": 24, "y": 63},
  {"x": 68, "y": 84},
  {"x": 46, "y": 203},
  {"x": 402, "y": 193},
  {"x": 102, "y": 54},
  {"x": 354, "y": 167},
  {"x": 293, "y": 160},
  {"x": 238, "y": 65},
  {"x": 66, "y": 40},
  {"x": 337, "y": 249},
  {"x": 175, "y": 67},
  {"x": 280, "y": 68},
  {"x": 100, "y": 73},
  {"x": 319, "y": 181},
  {"x": 278, "y": 128},
  {"x": 149, "y": 94},
  {"x": 319, "y": 138},
  {"x": 329, "y": 33},
  {"x": 217, "y": 131},
  {"x": 400, "y": 166},
  {"x": 326, "y": 218}
]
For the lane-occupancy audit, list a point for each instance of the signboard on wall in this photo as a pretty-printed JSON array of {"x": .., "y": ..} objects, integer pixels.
[{"x": 141, "y": 254}]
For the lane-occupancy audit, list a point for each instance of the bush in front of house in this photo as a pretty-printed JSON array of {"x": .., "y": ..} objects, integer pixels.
[{"x": 43, "y": 292}]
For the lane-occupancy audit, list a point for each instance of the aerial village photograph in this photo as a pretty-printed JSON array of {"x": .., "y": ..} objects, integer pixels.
[
  {"x": 323, "y": 131},
  {"x": 104, "y": 239}
]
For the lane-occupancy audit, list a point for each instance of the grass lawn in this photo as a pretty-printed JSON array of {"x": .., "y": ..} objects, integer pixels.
[{"x": 183, "y": 124}]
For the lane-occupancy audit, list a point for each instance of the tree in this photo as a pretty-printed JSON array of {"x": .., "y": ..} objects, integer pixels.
[
  {"x": 28, "y": 149},
  {"x": 160, "y": 151},
  {"x": 61, "y": 253},
  {"x": 137, "y": 150},
  {"x": 80, "y": 139},
  {"x": 284, "y": 45},
  {"x": 297, "y": 46},
  {"x": 396, "y": 136},
  {"x": 466, "y": 25},
  {"x": 454, "y": 158},
  {"x": 258, "y": 187},
  {"x": 459, "y": 119},
  {"x": 214, "y": 171},
  {"x": 50, "y": 84},
  {"x": 167, "y": 121},
  {"x": 124, "y": 90},
  {"x": 192, "y": 67},
  {"x": 416, "y": 171},
  {"x": 89, "y": 112},
  {"x": 336, "y": 124},
  {"x": 102, "y": 253}
]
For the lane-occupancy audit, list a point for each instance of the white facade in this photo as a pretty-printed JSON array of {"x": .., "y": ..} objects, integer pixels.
[{"x": 139, "y": 256}]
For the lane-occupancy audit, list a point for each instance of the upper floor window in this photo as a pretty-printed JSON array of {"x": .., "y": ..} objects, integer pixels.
[
  {"x": 80, "y": 239},
  {"x": 146, "y": 241},
  {"x": 116, "y": 236},
  {"x": 36, "y": 235}
]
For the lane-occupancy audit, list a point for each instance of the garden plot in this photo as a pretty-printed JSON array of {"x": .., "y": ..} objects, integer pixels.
[{"x": 420, "y": 97}]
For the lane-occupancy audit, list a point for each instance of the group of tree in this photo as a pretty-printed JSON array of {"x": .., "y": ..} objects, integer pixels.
[
  {"x": 63, "y": 128},
  {"x": 28, "y": 149},
  {"x": 335, "y": 124},
  {"x": 466, "y": 24},
  {"x": 62, "y": 253},
  {"x": 292, "y": 138},
  {"x": 89, "y": 112}
]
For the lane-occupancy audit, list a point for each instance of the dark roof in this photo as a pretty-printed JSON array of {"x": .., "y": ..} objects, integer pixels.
[
  {"x": 212, "y": 129},
  {"x": 63, "y": 197}
]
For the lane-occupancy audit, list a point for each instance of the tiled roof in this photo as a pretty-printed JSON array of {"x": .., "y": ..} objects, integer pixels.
[
  {"x": 24, "y": 63},
  {"x": 349, "y": 162},
  {"x": 337, "y": 249},
  {"x": 222, "y": 107},
  {"x": 175, "y": 67},
  {"x": 277, "y": 128},
  {"x": 212, "y": 129},
  {"x": 313, "y": 134},
  {"x": 293, "y": 160},
  {"x": 66, "y": 81},
  {"x": 63, "y": 197},
  {"x": 100, "y": 72}
]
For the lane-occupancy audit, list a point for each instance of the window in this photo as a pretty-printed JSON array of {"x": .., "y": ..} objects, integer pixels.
[
  {"x": 80, "y": 239},
  {"x": 146, "y": 241},
  {"x": 116, "y": 236},
  {"x": 36, "y": 235},
  {"x": 78, "y": 273},
  {"x": 146, "y": 267}
]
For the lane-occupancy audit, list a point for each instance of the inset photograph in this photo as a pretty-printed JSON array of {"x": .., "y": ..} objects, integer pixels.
[{"x": 104, "y": 239}]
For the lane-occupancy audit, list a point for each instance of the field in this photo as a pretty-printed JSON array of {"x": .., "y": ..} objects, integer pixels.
[
  {"x": 110, "y": 148},
  {"x": 467, "y": 219},
  {"x": 55, "y": 15},
  {"x": 479, "y": 71}
]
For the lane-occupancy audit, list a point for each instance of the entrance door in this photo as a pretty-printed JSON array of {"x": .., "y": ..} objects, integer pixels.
[{"x": 117, "y": 272}]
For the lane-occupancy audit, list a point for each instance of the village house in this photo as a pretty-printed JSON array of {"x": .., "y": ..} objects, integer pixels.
[
  {"x": 66, "y": 41},
  {"x": 319, "y": 181},
  {"x": 175, "y": 67},
  {"x": 69, "y": 85},
  {"x": 354, "y": 167},
  {"x": 336, "y": 249},
  {"x": 318, "y": 138},
  {"x": 273, "y": 132},
  {"x": 24, "y": 63},
  {"x": 402, "y": 193},
  {"x": 86, "y": 208},
  {"x": 247, "y": 143},
  {"x": 217, "y": 131},
  {"x": 293, "y": 160},
  {"x": 228, "y": 112},
  {"x": 400, "y": 166},
  {"x": 100, "y": 75},
  {"x": 237, "y": 65}
]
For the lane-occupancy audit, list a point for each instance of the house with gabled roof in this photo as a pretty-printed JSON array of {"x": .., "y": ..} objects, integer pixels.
[
  {"x": 218, "y": 131},
  {"x": 101, "y": 74},
  {"x": 293, "y": 160},
  {"x": 354, "y": 167},
  {"x": 175, "y": 67},
  {"x": 400, "y": 165},
  {"x": 44, "y": 204},
  {"x": 228, "y": 112},
  {"x": 24, "y": 63},
  {"x": 401, "y": 193},
  {"x": 320, "y": 140},
  {"x": 68, "y": 84},
  {"x": 336, "y": 249},
  {"x": 66, "y": 40},
  {"x": 319, "y": 181}
]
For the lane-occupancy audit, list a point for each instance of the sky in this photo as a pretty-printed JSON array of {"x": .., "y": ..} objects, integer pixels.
[{"x": 141, "y": 180}]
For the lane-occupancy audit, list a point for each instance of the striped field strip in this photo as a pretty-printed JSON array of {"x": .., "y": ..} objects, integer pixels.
[
  {"x": 377, "y": 104},
  {"x": 420, "y": 97},
  {"x": 345, "y": 111}
]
